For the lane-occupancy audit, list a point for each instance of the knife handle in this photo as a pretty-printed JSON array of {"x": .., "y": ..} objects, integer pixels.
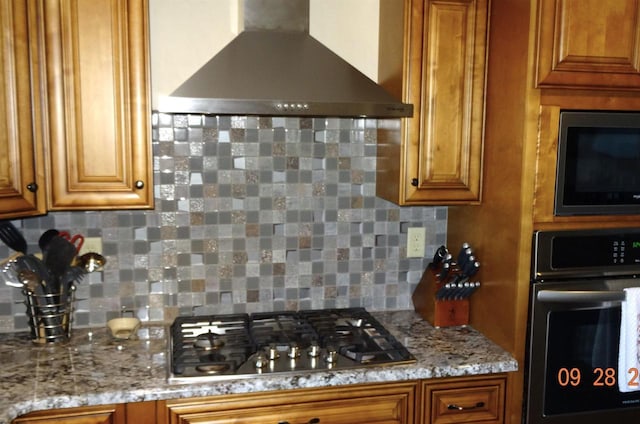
[
  {"x": 463, "y": 254},
  {"x": 439, "y": 256},
  {"x": 441, "y": 292},
  {"x": 468, "y": 291},
  {"x": 473, "y": 288},
  {"x": 462, "y": 290},
  {"x": 457, "y": 290},
  {"x": 444, "y": 272},
  {"x": 471, "y": 268}
]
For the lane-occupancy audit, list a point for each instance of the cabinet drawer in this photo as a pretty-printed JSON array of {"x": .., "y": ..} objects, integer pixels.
[
  {"x": 389, "y": 403},
  {"x": 465, "y": 401},
  {"x": 387, "y": 410},
  {"x": 103, "y": 414}
]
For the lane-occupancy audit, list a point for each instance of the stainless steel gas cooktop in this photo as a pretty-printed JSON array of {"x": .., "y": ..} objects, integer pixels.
[{"x": 215, "y": 347}]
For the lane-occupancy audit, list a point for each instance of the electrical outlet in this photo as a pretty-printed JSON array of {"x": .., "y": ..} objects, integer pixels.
[
  {"x": 415, "y": 242},
  {"x": 91, "y": 244}
]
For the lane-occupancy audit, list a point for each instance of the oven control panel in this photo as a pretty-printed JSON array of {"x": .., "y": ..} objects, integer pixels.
[{"x": 602, "y": 252}]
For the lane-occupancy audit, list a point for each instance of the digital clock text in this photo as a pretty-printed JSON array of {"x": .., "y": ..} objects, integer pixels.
[{"x": 600, "y": 377}]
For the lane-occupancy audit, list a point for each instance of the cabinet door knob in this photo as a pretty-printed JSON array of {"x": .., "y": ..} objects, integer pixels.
[
  {"x": 32, "y": 187},
  {"x": 139, "y": 184},
  {"x": 414, "y": 182},
  {"x": 465, "y": 408}
]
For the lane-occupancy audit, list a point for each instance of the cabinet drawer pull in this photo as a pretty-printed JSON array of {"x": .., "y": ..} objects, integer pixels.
[
  {"x": 311, "y": 421},
  {"x": 465, "y": 408}
]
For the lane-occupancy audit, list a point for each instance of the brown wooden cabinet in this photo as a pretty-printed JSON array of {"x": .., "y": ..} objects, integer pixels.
[
  {"x": 588, "y": 44},
  {"x": 103, "y": 414},
  {"x": 546, "y": 163},
  {"x": 75, "y": 114},
  {"x": 97, "y": 69},
  {"x": 433, "y": 401},
  {"x": 372, "y": 403},
  {"x": 20, "y": 142},
  {"x": 436, "y": 156},
  {"x": 574, "y": 50},
  {"x": 129, "y": 413},
  {"x": 467, "y": 400}
]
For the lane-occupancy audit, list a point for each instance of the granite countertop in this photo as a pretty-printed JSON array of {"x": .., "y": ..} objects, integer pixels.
[{"x": 93, "y": 369}]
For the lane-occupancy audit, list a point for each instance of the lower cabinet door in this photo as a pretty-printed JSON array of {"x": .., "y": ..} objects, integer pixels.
[{"x": 371, "y": 404}]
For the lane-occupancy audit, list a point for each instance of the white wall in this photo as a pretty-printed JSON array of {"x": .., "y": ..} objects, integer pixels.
[
  {"x": 185, "y": 34},
  {"x": 350, "y": 29}
]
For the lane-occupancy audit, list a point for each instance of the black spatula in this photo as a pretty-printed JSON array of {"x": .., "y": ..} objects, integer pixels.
[
  {"x": 12, "y": 237},
  {"x": 57, "y": 256},
  {"x": 46, "y": 237}
]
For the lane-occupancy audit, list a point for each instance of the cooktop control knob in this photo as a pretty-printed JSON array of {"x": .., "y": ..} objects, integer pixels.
[
  {"x": 332, "y": 356},
  {"x": 294, "y": 351},
  {"x": 272, "y": 352},
  {"x": 261, "y": 361},
  {"x": 314, "y": 350}
]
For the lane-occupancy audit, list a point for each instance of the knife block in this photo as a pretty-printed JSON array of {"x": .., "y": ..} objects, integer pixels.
[{"x": 440, "y": 313}]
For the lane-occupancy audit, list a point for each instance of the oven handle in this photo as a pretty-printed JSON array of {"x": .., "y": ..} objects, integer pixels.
[{"x": 580, "y": 296}]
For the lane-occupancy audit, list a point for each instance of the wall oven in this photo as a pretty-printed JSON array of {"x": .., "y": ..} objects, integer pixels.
[{"x": 579, "y": 279}]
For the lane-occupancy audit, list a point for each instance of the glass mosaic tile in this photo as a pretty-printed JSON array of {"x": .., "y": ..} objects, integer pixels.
[{"x": 252, "y": 214}]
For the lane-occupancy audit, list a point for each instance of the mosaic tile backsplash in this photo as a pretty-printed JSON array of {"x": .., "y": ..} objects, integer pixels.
[{"x": 252, "y": 214}]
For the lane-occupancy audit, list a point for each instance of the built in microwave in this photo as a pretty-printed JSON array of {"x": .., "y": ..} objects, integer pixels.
[{"x": 598, "y": 165}]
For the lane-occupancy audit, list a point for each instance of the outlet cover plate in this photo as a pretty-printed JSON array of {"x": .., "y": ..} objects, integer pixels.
[
  {"x": 415, "y": 242},
  {"x": 91, "y": 244}
]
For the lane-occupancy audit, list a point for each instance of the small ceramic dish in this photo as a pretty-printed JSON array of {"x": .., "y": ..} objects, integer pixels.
[{"x": 123, "y": 328}]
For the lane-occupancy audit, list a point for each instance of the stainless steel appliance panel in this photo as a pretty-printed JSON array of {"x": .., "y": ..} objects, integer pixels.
[
  {"x": 574, "y": 327},
  {"x": 215, "y": 347}
]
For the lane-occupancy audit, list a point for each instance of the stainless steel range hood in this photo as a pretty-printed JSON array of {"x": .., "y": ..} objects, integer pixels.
[{"x": 274, "y": 67}]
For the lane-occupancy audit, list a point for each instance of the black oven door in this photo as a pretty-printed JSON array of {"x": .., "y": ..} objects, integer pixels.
[{"x": 572, "y": 368}]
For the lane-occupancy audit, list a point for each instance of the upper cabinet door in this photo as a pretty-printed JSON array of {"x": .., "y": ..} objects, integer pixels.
[
  {"x": 97, "y": 64},
  {"x": 589, "y": 44},
  {"x": 437, "y": 159},
  {"x": 21, "y": 186}
]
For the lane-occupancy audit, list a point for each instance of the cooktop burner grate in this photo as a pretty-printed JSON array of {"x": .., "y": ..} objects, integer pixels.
[
  {"x": 241, "y": 345},
  {"x": 281, "y": 328}
]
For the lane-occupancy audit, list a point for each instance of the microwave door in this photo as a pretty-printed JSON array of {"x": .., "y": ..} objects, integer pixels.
[{"x": 598, "y": 162}]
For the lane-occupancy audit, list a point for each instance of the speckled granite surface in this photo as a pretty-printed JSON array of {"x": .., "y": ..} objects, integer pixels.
[{"x": 92, "y": 369}]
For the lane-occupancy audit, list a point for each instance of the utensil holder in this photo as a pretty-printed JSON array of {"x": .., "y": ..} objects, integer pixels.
[
  {"x": 440, "y": 313},
  {"x": 50, "y": 316}
]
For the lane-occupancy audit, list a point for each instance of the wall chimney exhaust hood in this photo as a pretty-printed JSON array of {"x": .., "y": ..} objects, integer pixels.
[{"x": 276, "y": 68}]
